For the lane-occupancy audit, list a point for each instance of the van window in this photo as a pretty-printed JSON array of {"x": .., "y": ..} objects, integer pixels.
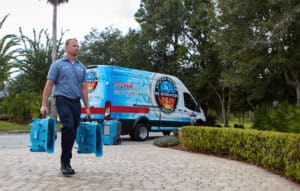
[{"x": 189, "y": 102}]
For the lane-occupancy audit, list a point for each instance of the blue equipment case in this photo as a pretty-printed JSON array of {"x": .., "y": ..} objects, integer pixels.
[
  {"x": 89, "y": 138},
  {"x": 42, "y": 135},
  {"x": 111, "y": 131}
]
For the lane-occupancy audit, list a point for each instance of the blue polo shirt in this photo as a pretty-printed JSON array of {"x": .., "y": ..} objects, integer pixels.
[{"x": 68, "y": 78}]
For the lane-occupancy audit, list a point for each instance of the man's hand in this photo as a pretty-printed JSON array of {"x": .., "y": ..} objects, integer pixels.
[
  {"x": 88, "y": 113},
  {"x": 44, "y": 110}
]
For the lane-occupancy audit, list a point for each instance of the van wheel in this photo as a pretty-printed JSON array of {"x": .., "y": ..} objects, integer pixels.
[
  {"x": 141, "y": 132},
  {"x": 166, "y": 133}
]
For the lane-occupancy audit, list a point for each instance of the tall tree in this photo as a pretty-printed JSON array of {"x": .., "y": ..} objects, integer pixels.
[
  {"x": 97, "y": 47},
  {"x": 110, "y": 47},
  {"x": 284, "y": 30},
  {"x": 162, "y": 24},
  {"x": 136, "y": 51},
  {"x": 269, "y": 35}
]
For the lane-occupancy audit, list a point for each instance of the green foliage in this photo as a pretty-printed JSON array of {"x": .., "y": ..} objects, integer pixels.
[
  {"x": 110, "y": 47},
  {"x": 279, "y": 152},
  {"x": 35, "y": 62},
  {"x": 166, "y": 141},
  {"x": 283, "y": 117},
  {"x": 7, "y": 54},
  {"x": 22, "y": 107},
  {"x": 261, "y": 120},
  {"x": 97, "y": 47}
]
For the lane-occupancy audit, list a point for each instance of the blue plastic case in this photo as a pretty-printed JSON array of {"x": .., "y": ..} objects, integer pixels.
[
  {"x": 42, "y": 135},
  {"x": 89, "y": 138}
]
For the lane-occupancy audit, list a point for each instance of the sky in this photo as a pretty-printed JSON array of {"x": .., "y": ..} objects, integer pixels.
[{"x": 76, "y": 16}]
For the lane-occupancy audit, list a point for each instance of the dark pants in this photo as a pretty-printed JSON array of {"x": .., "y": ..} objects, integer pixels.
[{"x": 69, "y": 115}]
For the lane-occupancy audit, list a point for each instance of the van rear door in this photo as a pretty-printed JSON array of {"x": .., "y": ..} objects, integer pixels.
[{"x": 97, "y": 82}]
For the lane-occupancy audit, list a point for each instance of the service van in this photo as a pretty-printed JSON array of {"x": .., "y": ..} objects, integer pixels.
[{"x": 141, "y": 101}]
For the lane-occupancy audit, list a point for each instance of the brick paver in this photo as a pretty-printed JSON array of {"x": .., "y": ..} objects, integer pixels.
[{"x": 133, "y": 166}]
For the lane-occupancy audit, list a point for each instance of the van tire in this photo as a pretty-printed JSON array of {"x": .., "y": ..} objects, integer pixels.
[{"x": 141, "y": 132}]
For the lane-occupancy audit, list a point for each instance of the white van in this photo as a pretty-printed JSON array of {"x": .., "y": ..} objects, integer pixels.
[{"x": 142, "y": 101}]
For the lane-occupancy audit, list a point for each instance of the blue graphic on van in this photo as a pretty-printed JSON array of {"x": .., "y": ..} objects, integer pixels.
[
  {"x": 166, "y": 94},
  {"x": 91, "y": 80}
]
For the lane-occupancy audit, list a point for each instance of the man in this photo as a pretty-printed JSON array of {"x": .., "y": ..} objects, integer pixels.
[{"x": 68, "y": 76}]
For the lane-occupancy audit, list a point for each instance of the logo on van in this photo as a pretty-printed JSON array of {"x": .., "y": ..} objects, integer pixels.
[
  {"x": 166, "y": 94},
  {"x": 91, "y": 80}
]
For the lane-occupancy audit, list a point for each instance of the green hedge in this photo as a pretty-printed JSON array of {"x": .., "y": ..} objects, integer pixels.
[{"x": 279, "y": 152}]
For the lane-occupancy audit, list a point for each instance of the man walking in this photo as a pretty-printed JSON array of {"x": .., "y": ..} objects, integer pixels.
[{"x": 68, "y": 76}]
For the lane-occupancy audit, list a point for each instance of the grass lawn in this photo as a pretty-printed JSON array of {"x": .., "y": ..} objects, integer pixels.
[{"x": 8, "y": 126}]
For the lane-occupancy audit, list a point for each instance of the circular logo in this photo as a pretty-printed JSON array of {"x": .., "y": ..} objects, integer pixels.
[
  {"x": 166, "y": 94},
  {"x": 91, "y": 80}
]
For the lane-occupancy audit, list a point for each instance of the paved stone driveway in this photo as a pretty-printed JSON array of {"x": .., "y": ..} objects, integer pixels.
[{"x": 132, "y": 166}]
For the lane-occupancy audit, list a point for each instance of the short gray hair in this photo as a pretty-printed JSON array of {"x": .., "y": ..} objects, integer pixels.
[{"x": 69, "y": 40}]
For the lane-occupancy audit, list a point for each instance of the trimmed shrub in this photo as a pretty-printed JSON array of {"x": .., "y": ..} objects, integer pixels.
[
  {"x": 283, "y": 118},
  {"x": 22, "y": 107},
  {"x": 166, "y": 141}
]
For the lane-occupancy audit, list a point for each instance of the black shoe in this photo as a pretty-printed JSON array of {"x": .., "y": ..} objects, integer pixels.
[{"x": 66, "y": 169}]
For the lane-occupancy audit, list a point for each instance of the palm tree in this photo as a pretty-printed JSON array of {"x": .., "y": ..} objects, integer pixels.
[
  {"x": 7, "y": 55},
  {"x": 55, "y": 3},
  {"x": 36, "y": 59}
]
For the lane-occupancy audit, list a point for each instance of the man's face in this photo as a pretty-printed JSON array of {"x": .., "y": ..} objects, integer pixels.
[{"x": 72, "y": 48}]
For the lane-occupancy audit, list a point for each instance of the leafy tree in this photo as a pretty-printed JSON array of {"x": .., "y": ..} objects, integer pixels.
[
  {"x": 162, "y": 24},
  {"x": 203, "y": 53},
  {"x": 234, "y": 32},
  {"x": 135, "y": 50},
  {"x": 182, "y": 36},
  {"x": 97, "y": 47},
  {"x": 244, "y": 43},
  {"x": 270, "y": 48},
  {"x": 110, "y": 47},
  {"x": 284, "y": 30}
]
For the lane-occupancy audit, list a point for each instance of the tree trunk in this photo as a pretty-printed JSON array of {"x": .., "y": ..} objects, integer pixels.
[
  {"x": 54, "y": 35},
  {"x": 226, "y": 124},
  {"x": 295, "y": 83},
  {"x": 224, "y": 103},
  {"x": 51, "y": 101},
  {"x": 298, "y": 92}
]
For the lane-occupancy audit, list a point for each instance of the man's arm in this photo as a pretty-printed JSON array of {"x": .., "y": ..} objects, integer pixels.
[
  {"x": 85, "y": 100},
  {"x": 47, "y": 91}
]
